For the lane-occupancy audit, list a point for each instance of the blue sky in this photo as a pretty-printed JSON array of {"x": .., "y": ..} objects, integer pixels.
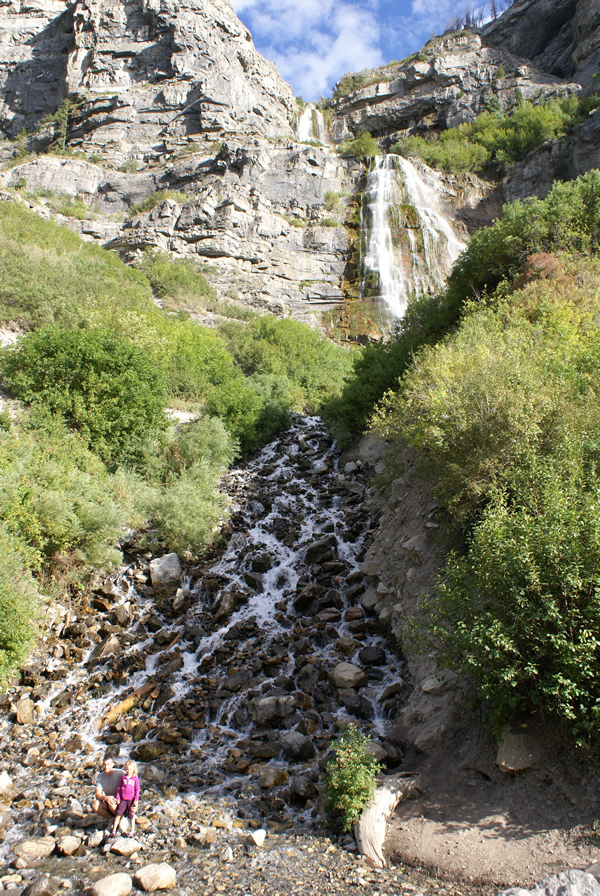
[{"x": 315, "y": 42}]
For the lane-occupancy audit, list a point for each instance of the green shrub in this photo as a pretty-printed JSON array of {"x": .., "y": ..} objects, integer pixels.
[
  {"x": 291, "y": 349},
  {"x": 104, "y": 387},
  {"x": 58, "y": 501},
  {"x": 495, "y": 140},
  {"x": 177, "y": 282},
  {"x": 154, "y": 199},
  {"x": 19, "y": 600},
  {"x": 348, "y": 84},
  {"x": 519, "y": 614},
  {"x": 350, "y": 777},
  {"x": 363, "y": 147}
]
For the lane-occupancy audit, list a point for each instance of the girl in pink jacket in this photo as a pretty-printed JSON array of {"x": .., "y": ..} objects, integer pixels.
[{"x": 128, "y": 796}]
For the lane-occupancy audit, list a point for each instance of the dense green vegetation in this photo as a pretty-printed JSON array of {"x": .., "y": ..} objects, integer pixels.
[
  {"x": 86, "y": 448},
  {"x": 496, "y": 382},
  {"x": 350, "y": 778},
  {"x": 363, "y": 146},
  {"x": 496, "y": 139}
]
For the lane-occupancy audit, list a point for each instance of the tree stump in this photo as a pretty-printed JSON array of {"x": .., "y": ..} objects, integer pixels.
[{"x": 370, "y": 829}]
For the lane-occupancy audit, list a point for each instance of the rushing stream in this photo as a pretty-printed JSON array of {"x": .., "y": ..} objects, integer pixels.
[{"x": 238, "y": 678}]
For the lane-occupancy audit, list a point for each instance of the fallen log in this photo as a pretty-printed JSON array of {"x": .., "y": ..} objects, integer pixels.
[
  {"x": 370, "y": 829},
  {"x": 125, "y": 705}
]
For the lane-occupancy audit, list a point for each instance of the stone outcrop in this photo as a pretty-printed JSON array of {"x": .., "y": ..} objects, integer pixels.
[
  {"x": 448, "y": 83},
  {"x": 140, "y": 73},
  {"x": 560, "y": 36}
]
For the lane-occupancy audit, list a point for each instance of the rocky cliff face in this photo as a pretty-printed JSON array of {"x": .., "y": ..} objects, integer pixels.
[
  {"x": 560, "y": 36},
  {"x": 142, "y": 72},
  {"x": 449, "y": 82}
]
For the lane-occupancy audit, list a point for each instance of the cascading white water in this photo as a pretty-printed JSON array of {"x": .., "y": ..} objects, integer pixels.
[
  {"x": 312, "y": 125},
  {"x": 410, "y": 244}
]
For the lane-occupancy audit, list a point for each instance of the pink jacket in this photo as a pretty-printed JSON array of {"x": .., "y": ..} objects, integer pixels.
[{"x": 129, "y": 788}]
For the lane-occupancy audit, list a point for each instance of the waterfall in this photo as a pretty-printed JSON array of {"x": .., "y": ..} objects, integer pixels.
[
  {"x": 410, "y": 244},
  {"x": 312, "y": 125}
]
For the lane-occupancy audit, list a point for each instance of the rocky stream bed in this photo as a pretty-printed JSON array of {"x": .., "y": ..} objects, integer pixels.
[{"x": 227, "y": 682}]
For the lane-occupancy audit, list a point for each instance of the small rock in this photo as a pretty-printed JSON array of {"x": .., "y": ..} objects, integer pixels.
[
  {"x": 156, "y": 877},
  {"x": 68, "y": 845},
  {"x": 114, "y": 885},
  {"x": 257, "y": 837},
  {"x": 125, "y": 846},
  {"x": 6, "y": 783},
  {"x": 25, "y": 711}
]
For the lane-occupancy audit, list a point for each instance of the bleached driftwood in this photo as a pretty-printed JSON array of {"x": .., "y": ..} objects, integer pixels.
[
  {"x": 125, "y": 705},
  {"x": 370, "y": 829}
]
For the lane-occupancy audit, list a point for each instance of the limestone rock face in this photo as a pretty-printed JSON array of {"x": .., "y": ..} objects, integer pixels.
[
  {"x": 258, "y": 210},
  {"x": 559, "y": 36},
  {"x": 445, "y": 85},
  {"x": 142, "y": 71}
]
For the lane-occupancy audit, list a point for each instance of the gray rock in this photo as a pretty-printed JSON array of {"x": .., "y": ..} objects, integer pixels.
[
  {"x": 25, "y": 711},
  {"x": 347, "y": 675},
  {"x": 298, "y": 746},
  {"x": 271, "y": 710},
  {"x": 35, "y": 848},
  {"x": 159, "y": 876},
  {"x": 567, "y": 883},
  {"x": 119, "y": 884},
  {"x": 165, "y": 573},
  {"x": 44, "y": 886}
]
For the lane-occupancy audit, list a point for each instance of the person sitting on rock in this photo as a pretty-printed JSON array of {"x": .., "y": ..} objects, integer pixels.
[
  {"x": 128, "y": 796},
  {"x": 105, "y": 801}
]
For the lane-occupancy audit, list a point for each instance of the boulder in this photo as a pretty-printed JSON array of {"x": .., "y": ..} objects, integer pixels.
[
  {"x": 347, "y": 675},
  {"x": 68, "y": 845},
  {"x": 114, "y": 885},
  {"x": 159, "y": 876},
  {"x": 44, "y": 886},
  {"x": 35, "y": 848},
  {"x": 165, "y": 573},
  {"x": 270, "y": 710},
  {"x": 518, "y": 751},
  {"x": 298, "y": 746},
  {"x": 270, "y": 777},
  {"x": 25, "y": 711},
  {"x": 567, "y": 883},
  {"x": 125, "y": 846}
]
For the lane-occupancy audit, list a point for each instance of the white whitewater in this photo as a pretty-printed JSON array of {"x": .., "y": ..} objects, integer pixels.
[
  {"x": 312, "y": 125},
  {"x": 410, "y": 244}
]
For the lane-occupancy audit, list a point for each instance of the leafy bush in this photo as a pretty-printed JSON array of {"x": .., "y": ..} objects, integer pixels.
[
  {"x": 350, "y": 778},
  {"x": 348, "y": 84},
  {"x": 519, "y": 614},
  {"x": 58, "y": 500},
  {"x": 156, "y": 198},
  {"x": 363, "y": 147},
  {"x": 18, "y": 601},
  {"x": 506, "y": 415},
  {"x": 104, "y": 387},
  {"x": 267, "y": 345},
  {"x": 178, "y": 283},
  {"x": 495, "y": 140}
]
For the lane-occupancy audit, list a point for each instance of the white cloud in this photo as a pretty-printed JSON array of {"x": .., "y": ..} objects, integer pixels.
[{"x": 314, "y": 42}]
